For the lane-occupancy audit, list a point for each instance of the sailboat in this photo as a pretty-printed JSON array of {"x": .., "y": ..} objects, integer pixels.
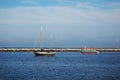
[{"x": 42, "y": 52}]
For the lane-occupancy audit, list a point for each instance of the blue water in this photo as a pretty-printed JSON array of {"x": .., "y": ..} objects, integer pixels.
[{"x": 62, "y": 66}]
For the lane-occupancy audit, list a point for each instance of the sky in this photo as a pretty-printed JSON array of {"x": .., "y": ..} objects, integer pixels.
[{"x": 72, "y": 23}]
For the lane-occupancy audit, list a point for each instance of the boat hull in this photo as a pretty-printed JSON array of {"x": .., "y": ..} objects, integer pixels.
[
  {"x": 89, "y": 52},
  {"x": 44, "y": 53}
]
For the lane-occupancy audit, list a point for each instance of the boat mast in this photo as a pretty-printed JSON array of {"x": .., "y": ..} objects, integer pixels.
[
  {"x": 51, "y": 42},
  {"x": 41, "y": 38}
]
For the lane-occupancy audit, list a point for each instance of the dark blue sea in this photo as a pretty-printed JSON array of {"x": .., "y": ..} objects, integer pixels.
[{"x": 62, "y": 66}]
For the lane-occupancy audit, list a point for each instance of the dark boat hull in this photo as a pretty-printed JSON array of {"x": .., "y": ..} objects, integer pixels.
[
  {"x": 44, "y": 53},
  {"x": 89, "y": 52}
]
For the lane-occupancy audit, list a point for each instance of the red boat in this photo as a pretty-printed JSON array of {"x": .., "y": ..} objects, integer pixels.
[{"x": 89, "y": 51}]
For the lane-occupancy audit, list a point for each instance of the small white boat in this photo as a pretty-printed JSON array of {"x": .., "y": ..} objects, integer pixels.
[{"x": 44, "y": 53}]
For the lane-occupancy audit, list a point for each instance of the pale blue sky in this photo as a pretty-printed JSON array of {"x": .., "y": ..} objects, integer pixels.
[{"x": 72, "y": 21}]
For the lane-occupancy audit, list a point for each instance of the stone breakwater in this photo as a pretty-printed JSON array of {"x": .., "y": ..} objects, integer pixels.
[{"x": 55, "y": 49}]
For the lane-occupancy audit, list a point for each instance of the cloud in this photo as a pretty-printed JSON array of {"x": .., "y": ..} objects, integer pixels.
[
  {"x": 78, "y": 14},
  {"x": 79, "y": 20}
]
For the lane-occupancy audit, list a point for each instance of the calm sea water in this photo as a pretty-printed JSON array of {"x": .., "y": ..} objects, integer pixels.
[{"x": 62, "y": 66}]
